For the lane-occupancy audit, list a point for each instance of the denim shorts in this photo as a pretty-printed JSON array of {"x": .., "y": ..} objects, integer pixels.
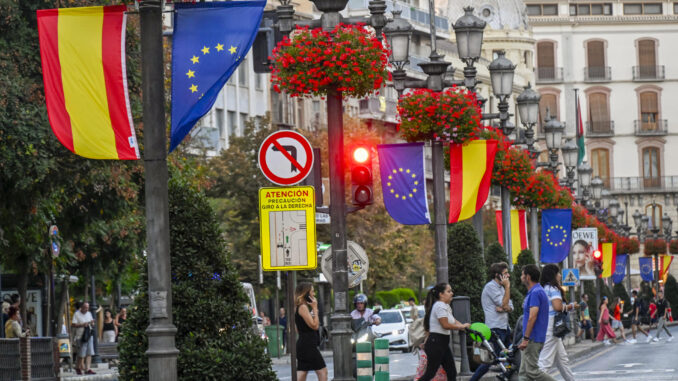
[
  {"x": 86, "y": 349},
  {"x": 585, "y": 324}
]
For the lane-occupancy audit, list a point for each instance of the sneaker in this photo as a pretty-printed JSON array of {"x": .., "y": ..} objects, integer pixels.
[
  {"x": 649, "y": 338},
  {"x": 78, "y": 371},
  {"x": 90, "y": 371},
  {"x": 633, "y": 341},
  {"x": 627, "y": 341},
  {"x": 670, "y": 339},
  {"x": 654, "y": 339},
  {"x": 607, "y": 342}
]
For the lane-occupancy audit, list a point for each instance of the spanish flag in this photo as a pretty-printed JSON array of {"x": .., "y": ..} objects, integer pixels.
[
  {"x": 609, "y": 251},
  {"x": 664, "y": 264},
  {"x": 518, "y": 231},
  {"x": 470, "y": 174},
  {"x": 83, "y": 67}
]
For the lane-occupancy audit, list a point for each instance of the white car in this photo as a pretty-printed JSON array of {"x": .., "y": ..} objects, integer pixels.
[{"x": 393, "y": 328}]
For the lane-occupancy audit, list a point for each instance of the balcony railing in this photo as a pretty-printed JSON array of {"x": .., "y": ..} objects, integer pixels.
[
  {"x": 415, "y": 15},
  {"x": 644, "y": 183},
  {"x": 648, "y": 73},
  {"x": 656, "y": 128},
  {"x": 597, "y": 74},
  {"x": 549, "y": 74},
  {"x": 600, "y": 128}
]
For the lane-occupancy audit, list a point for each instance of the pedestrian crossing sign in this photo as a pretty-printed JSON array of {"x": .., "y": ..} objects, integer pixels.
[{"x": 570, "y": 277}]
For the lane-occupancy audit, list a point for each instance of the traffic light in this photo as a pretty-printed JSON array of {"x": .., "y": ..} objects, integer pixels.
[
  {"x": 267, "y": 37},
  {"x": 598, "y": 263},
  {"x": 361, "y": 176}
]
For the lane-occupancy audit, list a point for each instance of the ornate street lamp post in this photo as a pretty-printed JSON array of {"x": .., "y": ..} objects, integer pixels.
[
  {"x": 596, "y": 189},
  {"x": 570, "y": 153},
  {"x": 584, "y": 172},
  {"x": 553, "y": 130}
]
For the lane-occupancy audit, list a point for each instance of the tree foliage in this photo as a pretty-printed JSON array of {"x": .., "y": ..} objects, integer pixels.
[
  {"x": 466, "y": 266},
  {"x": 494, "y": 253},
  {"x": 671, "y": 291},
  {"x": 524, "y": 258},
  {"x": 215, "y": 335}
]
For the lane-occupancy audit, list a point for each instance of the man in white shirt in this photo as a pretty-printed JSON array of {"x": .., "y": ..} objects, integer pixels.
[
  {"x": 82, "y": 319},
  {"x": 361, "y": 313}
]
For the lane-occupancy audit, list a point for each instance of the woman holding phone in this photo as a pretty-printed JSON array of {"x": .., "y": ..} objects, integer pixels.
[{"x": 307, "y": 323}]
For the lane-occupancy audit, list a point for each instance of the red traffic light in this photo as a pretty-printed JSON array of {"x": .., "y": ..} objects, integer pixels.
[
  {"x": 597, "y": 255},
  {"x": 361, "y": 155}
]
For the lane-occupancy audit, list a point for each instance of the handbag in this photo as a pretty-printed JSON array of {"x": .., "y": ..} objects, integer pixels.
[
  {"x": 482, "y": 355},
  {"x": 86, "y": 334},
  {"x": 560, "y": 325},
  {"x": 421, "y": 369}
]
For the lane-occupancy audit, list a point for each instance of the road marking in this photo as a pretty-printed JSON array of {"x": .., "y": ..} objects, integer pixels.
[{"x": 630, "y": 365}]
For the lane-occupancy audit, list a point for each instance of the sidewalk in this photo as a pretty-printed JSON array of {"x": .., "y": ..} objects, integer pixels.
[{"x": 103, "y": 372}]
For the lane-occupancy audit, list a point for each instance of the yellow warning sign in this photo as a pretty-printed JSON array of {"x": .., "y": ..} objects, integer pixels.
[{"x": 287, "y": 228}]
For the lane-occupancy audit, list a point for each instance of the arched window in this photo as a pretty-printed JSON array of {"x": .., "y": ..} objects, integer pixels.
[
  {"x": 600, "y": 161},
  {"x": 649, "y": 111},
  {"x": 595, "y": 54},
  {"x": 647, "y": 60},
  {"x": 655, "y": 214},
  {"x": 651, "y": 167},
  {"x": 546, "y": 60},
  {"x": 599, "y": 113}
]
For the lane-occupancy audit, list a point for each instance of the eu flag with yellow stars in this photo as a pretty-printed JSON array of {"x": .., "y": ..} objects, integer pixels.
[
  {"x": 403, "y": 183},
  {"x": 556, "y": 234},
  {"x": 210, "y": 41}
]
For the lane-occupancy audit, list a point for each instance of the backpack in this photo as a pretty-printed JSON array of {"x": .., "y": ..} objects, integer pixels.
[{"x": 417, "y": 333}]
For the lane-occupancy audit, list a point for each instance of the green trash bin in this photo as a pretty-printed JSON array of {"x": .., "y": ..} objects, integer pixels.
[{"x": 275, "y": 342}]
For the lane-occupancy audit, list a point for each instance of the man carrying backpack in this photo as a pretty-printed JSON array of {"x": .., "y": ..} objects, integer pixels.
[
  {"x": 636, "y": 314},
  {"x": 496, "y": 306}
]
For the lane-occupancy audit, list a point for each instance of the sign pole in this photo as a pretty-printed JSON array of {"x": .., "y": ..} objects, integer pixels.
[{"x": 291, "y": 314}]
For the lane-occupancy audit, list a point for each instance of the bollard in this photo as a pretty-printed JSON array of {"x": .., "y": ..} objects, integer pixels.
[
  {"x": 381, "y": 360},
  {"x": 364, "y": 361}
]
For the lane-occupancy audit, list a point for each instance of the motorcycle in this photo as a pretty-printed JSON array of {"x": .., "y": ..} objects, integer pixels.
[{"x": 362, "y": 333}]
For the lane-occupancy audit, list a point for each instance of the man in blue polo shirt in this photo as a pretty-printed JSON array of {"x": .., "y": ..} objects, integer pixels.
[{"x": 535, "y": 323}]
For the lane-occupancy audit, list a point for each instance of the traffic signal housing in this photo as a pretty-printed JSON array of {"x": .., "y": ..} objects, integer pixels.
[
  {"x": 598, "y": 263},
  {"x": 361, "y": 176}
]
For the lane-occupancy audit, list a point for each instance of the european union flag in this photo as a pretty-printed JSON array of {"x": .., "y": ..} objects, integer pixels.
[
  {"x": 556, "y": 234},
  {"x": 646, "y": 272},
  {"x": 620, "y": 268},
  {"x": 210, "y": 41},
  {"x": 403, "y": 183}
]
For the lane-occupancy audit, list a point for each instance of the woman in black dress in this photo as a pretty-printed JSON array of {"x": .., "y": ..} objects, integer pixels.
[{"x": 307, "y": 323}]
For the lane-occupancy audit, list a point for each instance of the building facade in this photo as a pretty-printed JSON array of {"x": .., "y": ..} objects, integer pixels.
[{"x": 617, "y": 55}]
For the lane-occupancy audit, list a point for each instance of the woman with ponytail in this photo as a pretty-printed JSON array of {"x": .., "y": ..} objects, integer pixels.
[{"x": 439, "y": 322}]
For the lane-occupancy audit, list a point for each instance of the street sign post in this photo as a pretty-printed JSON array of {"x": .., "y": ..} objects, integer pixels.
[
  {"x": 570, "y": 277},
  {"x": 287, "y": 227},
  {"x": 285, "y": 157},
  {"x": 358, "y": 264}
]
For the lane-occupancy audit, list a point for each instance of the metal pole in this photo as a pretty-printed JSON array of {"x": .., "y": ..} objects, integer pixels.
[
  {"x": 478, "y": 226},
  {"x": 656, "y": 272},
  {"x": 442, "y": 275},
  {"x": 341, "y": 320},
  {"x": 628, "y": 274},
  {"x": 277, "y": 312},
  {"x": 534, "y": 233},
  {"x": 506, "y": 224},
  {"x": 162, "y": 353},
  {"x": 292, "y": 331},
  {"x": 93, "y": 309},
  {"x": 432, "y": 25}
]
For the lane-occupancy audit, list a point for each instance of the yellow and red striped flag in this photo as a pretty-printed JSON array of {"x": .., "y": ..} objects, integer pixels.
[
  {"x": 609, "y": 251},
  {"x": 664, "y": 264},
  {"x": 518, "y": 232},
  {"x": 470, "y": 174},
  {"x": 84, "y": 71}
]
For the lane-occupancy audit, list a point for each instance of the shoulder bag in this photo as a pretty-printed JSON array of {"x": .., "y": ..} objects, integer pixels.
[{"x": 560, "y": 325}]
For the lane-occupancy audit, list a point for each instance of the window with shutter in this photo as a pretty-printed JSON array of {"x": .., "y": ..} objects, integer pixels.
[
  {"x": 647, "y": 60},
  {"x": 649, "y": 111},
  {"x": 599, "y": 115},
  {"x": 595, "y": 53},
  {"x": 651, "y": 165},
  {"x": 600, "y": 161},
  {"x": 546, "y": 60},
  {"x": 547, "y": 102}
]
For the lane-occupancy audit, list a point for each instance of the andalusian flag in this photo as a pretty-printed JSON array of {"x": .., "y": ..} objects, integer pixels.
[
  {"x": 470, "y": 174},
  {"x": 83, "y": 67},
  {"x": 580, "y": 133},
  {"x": 518, "y": 231},
  {"x": 664, "y": 264},
  {"x": 609, "y": 251}
]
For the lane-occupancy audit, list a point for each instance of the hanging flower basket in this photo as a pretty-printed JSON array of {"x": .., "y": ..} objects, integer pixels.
[
  {"x": 451, "y": 115},
  {"x": 655, "y": 246},
  {"x": 349, "y": 59},
  {"x": 673, "y": 246}
]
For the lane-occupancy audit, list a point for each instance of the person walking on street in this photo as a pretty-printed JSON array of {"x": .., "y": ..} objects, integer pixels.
[
  {"x": 12, "y": 326},
  {"x": 553, "y": 352},
  {"x": 109, "y": 331},
  {"x": 535, "y": 323},
  {"x": 83, "y": 324},
  {"x": 308, "y": 323},
  {"x": 653, "y": 313},
  {"x": 414, "y": 312},
  {"x": 605, "y": 329},
  {"x": 439, "y": 323},
  {"x": 616, "y": 321},
  {"x": 662, "y": 311},
  {"x": 497, "y": 305},
  {"x": 635, "y": 318},
  {"x": 585, "y": 319},
  {"x": 282, "y": 321}
]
